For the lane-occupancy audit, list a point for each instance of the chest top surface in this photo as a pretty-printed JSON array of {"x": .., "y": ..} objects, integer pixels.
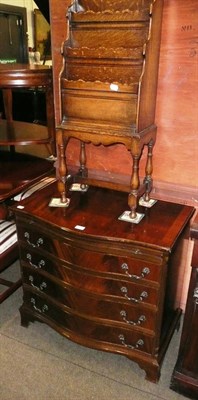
[{"x": 95, "y": 214}]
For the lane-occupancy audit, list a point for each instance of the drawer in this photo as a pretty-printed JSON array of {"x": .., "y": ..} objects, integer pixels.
[
  {"x": 92, "y": 305},
  {"x": 132, "y": 268},
  {"x": 123, "y": 290},
  {"x": 42, "y": 261},
  {"x": 128, "y": 268},
  {"x": 35, "y": 238},
  {"x": 123, "y": 339},
  {"x": 70, "y": 272}
]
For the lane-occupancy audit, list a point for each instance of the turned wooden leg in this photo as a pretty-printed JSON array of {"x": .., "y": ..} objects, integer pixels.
[
  {"x": 135, "y": 183},
  {"x": 62, "y": 167},
  {"x": 83, "y": 160},
  {"x": 50, "y": 118},
  {"x": 148, "y": 172},
  {"x": 7, "y": 101}
]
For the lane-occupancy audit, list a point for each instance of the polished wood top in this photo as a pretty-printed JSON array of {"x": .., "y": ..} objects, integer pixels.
[
  {"x": 14, "y": 76},
  {"x": 24, "y": 75},
  {"x": 97, "y": 211},
  {"x": 18, "y": 171}
]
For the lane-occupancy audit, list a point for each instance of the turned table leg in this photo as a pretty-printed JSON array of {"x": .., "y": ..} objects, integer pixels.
[
  {"x": 135, "y": 183},
  {"x": 148, "y": 172},
  {"x": 83, "y": 161},
  {"x": 7, "y": 101},
  {"x": 50, "y": 118},
  {"x": 62, "y": 166}
]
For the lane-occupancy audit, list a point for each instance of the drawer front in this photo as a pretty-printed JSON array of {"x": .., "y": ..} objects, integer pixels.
[
  {"x": 80, "y": 301},
  {"x": 122, "y": 339},
  {"x": 132, "y": 292},
  {"x": 34, "y": 237},
  {"x": 85, "y": 278},
  {"x": 42, "y": 261},
  {"x": 133, "y": 268}
]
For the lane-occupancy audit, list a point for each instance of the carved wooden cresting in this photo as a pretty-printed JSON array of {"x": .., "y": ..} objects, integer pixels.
[{"x": 109, "y": 83}]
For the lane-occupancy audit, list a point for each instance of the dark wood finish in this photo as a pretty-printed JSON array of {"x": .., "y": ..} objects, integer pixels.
[
  {"x": 109, "y": 83},
  {"x": 8, "y": 257},
  {"x": 101, "y": 282},
  {"x": 14, "y": 76},
  {"x": 17, "y": 173},
  {"x": 185, "y": 374}
]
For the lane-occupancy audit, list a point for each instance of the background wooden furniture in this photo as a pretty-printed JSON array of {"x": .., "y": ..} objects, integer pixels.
[
  {"x": 109, "y": 83},
  {"x": 185, "y": 374},
  {"x": 8, "y": 254},
  {"x": 13, "y": 37},
  {"x": 17, "y": 173},
  {"x": 12, "y": 132},
  {"x": 42, "y": 36},
  {"x": 101, "y": 282}
]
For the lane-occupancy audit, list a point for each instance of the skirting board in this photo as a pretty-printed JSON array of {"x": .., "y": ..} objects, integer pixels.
[{"x": 161, "y": 190}]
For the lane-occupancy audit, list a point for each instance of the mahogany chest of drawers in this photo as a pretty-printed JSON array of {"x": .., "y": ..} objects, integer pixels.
[{"x": 99, "y": 281}]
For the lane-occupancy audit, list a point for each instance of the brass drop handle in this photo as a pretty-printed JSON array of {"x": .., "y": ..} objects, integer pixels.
[
  {"x": 140, "y": 320},
  {"x": 143, "y": 295},
  {"x": 38, "y": 243},
  {"x": 42, "y": 286},
  {"x": 138, "y": 344},
  {"x": 40, "y": 264},
  {"x": 195, "y": 295},
  {"x": 144, "y": 273},
  {"x": 40, "y": 310}
]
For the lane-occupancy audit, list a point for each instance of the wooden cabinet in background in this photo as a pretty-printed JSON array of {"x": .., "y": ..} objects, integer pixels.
[
  {"x": 14, "y": 132},
  {"x": 185, "y": 374}
]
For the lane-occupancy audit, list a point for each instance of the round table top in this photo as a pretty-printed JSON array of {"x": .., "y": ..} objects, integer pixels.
[{"x": 24, "y": 75}]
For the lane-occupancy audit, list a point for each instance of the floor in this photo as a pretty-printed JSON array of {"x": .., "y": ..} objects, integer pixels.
[{"x": 36, "y": 363}]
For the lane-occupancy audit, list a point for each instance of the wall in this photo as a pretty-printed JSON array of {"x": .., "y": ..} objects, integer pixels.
[
  {"x": 30, "y": 6},
  {"x": 176, "y": 152}
]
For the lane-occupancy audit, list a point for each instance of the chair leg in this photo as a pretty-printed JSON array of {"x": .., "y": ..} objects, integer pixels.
[{"x": 12, "y": 287}]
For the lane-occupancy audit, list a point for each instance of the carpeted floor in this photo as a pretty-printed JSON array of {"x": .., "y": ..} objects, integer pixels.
[{"x": 36, "y": 363}]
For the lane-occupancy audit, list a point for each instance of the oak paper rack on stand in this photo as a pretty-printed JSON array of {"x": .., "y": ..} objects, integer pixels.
[{"x": 109, "y": 83}]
